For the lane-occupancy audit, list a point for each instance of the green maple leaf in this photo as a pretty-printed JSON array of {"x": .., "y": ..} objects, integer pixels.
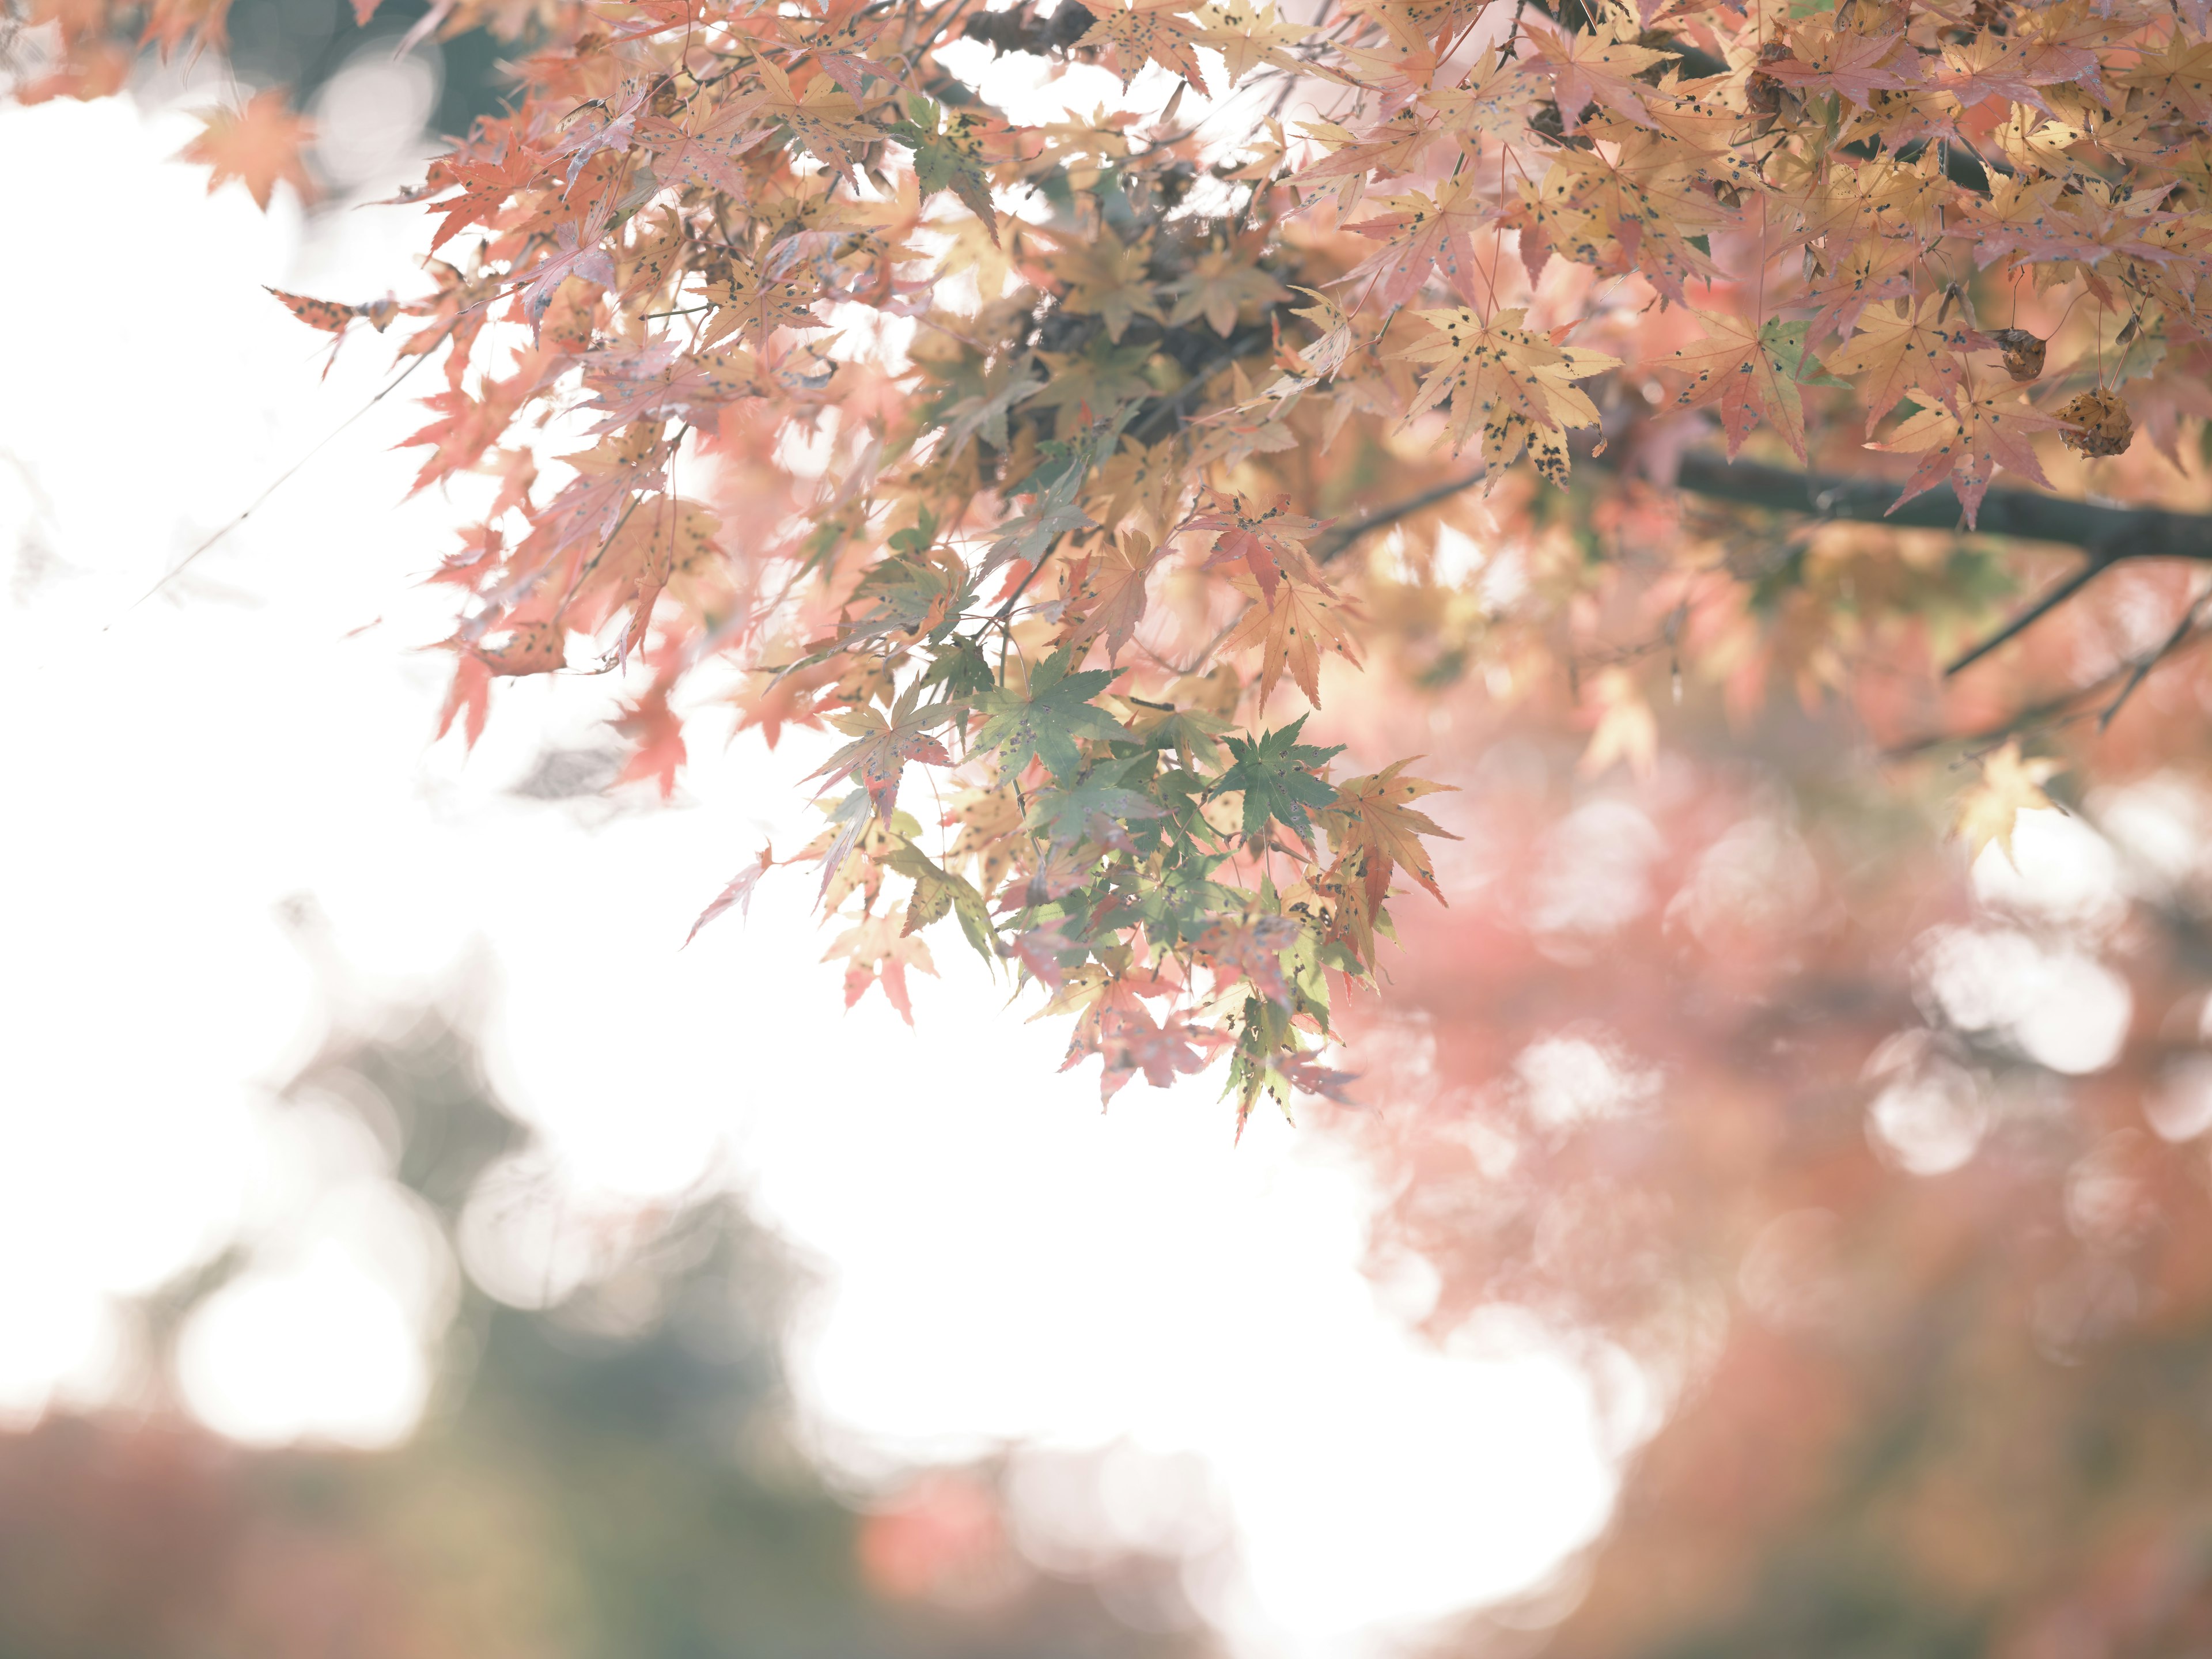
[
  {"x": 946, "y": 156},
  {"x": 1097, "y": 805},
  {"x": 1276, "y": 772},
  {"x": 1046, "y": 723},
  {"x": 938, "y": 892}
]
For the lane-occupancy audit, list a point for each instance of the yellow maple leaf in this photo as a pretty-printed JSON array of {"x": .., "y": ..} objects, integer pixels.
[
  {"x": 1516, "y": 386},
  {"x": 1153, "y": 30},
  {"x": 1627, "y": 729},
  {"x": 2009, "y": 785}
]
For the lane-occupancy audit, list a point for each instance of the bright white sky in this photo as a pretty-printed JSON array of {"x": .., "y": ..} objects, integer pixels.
[{"x": 1002, "y": 1264}]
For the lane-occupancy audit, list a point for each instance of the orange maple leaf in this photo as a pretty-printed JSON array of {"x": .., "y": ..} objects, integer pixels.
[
  {"x": 1913, "y": 353},
  {"x": 1750, "y": 370},
  {"x": 1373, "y": 816},
  {"x": 1288, "y": 629},
  {"x": 258, "y": 145},
  {"x": 1966, "y": 441}
]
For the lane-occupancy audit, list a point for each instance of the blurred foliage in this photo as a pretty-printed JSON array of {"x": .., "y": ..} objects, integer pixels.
[{"x": 573, "y": 1494}]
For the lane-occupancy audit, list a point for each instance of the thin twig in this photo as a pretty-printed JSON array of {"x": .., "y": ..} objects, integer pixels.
[
  {"x": 2052, "y": 600},
  {"x": 254, "y": 506},
  {"x": 2172, "y": 642}
]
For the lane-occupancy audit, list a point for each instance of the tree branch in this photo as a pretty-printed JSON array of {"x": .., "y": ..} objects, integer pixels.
[
  {"x": 2113, "y": 532},
  {"x": 2106, "y": 534},
  {"x": 1340, "y": 540}
]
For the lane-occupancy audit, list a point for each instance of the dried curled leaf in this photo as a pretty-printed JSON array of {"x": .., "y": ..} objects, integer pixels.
[{"x": 2097, "y": 423}]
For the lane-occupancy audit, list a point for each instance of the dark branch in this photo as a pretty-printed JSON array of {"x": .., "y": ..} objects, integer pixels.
[
  {"x": 2024, "y": 620},
  {"x": 2106, "y": 534},
  {"x": 2113, "y": 532}
]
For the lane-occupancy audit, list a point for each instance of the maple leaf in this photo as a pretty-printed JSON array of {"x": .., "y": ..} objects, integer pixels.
[
  {"x": 259, "y": 145},
  {"x": 1424, "y": 235},
  {"x": 576, "y": 252},
  {"x": 1106, "y": 279},
  {"x": 1045, "y": 722},
  {"x": 328, "y": 315},
  {"x": 1247, "y": 35},
  {"x": 1516, "y": 386},
  {"x": 1251, "y": 950},
  {"x": 1965, "y": 440},
  {"x": 1373, "y": 818},
  {"x": 1594, "y": 64},
  {"x": 653, "y": 727},
  {"x": 825, "y": 118},
  {"x": 1269, "y": 543},
  {"x": 877, "y": 952},
  {"x": 1289, "y": 628},
  {"x": 1039, "y": 950},
  {"x": 939, "y": 893},
  {"x": 1220, "y": 283},
  {"x": 1099, "y": 804},
  {"x": 1131, "y": 1041},
  {"x": 710, "y": 152},
  {"x": 2098, "y": 423},
  {"x": 753, "y": 303},
  {"x": 1911, "y": 351},
  {"x": 739, "y": 893},
  {"x": 1277, "y": 776},
  {"x": 1148, "y": 30},
  {"x": 1109, "y": 587},
  {"x": 2007, "y": 785},
  {"x": 1750, "y": 369},
  {"x": 881, "y": 747},
  {"x": 948, "y": 155},
  {"x": 1859, "y": 66}
]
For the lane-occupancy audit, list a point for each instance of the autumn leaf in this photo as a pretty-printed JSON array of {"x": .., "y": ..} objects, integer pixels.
[
  {"x": 881, "y": 747},
  {"x": 1600, "y": 64},
  {"x": 1750, "y": 369},
  {"x": 1963, "y": 443},
  {"x": 1423, "y": 236},
  {"x": 1251, "y": 950},
  {"x": 1290, "y": 630},
  {"x": 1105, "y": 279},
  {"x": 1153, "y": 30},
  {"x": 2008, "y": 785},
  {"x": 739, "y": 893},
  {"x": 1248, "y": 35},
  {"x": 259, "y": 146},
  {"x": 877, "y": 952},
  {"x": 1373, "y": 818},
  {"x": 938, "y": 893},
  {"x": 654, "y": 727},
  {"x": 1109, "y": 587},
  {"x": 1269, "y": 543},
  {"x": 1900, "y": 354},
  {"x": 1516, "y": 387},
  {"x": 1220, "y": 284}
]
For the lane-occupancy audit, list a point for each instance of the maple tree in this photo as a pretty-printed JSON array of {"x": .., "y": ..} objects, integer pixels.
[
  {"x": 1121, "y": 429},
  {"x": 1605, "y": 404}
]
